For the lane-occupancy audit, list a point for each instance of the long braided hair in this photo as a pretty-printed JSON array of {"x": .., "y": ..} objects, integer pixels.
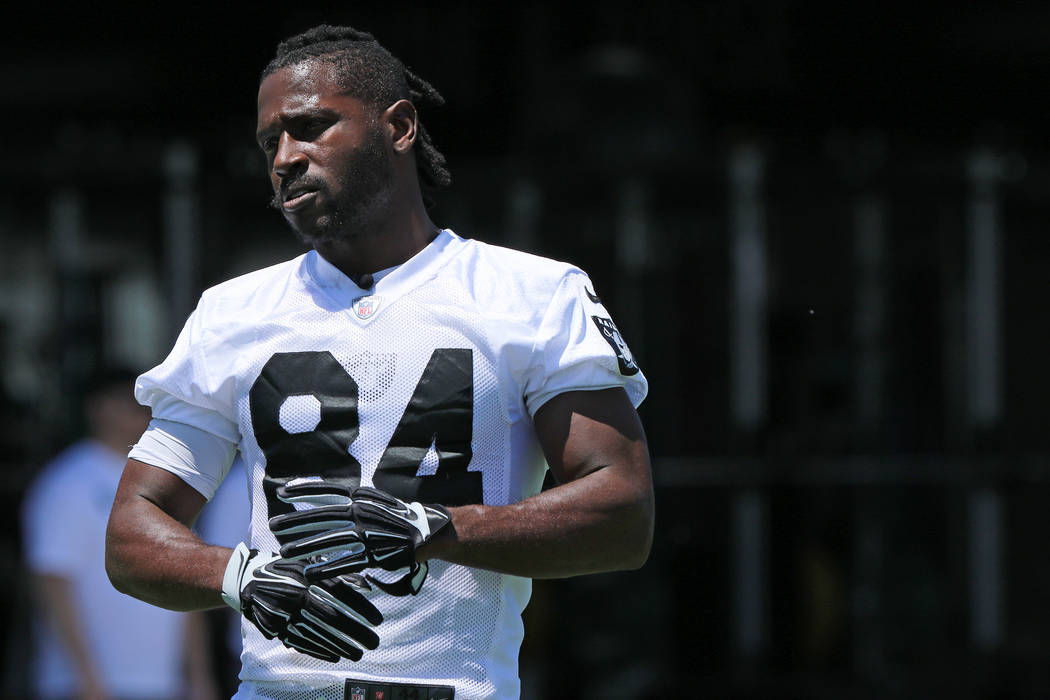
[{"x": 368, "y": 72}]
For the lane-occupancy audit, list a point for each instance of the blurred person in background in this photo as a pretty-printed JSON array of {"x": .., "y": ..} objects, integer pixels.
[{"x": 93, "y": 642}]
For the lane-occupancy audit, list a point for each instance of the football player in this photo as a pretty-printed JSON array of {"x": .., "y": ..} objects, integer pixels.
[{"x": 396, "y": 394}]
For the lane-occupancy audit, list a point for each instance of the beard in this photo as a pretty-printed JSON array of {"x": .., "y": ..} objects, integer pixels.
[{"x": 362, "y": 199}]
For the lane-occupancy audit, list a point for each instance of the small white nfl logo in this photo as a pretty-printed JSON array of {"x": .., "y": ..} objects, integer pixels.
[
  {"x": 357, "y": 693},
  {"x": 365, "y": 307}
]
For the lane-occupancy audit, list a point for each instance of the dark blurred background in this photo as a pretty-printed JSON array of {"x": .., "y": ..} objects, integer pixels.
[{"x": 822, "y": 229}]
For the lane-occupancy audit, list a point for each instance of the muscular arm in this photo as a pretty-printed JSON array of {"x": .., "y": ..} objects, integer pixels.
[
  {"x": 151, "y": 553},
  {"x": 599, "y": 517}
]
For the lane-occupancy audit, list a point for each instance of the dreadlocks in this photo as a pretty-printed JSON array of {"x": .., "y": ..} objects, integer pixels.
[{"x": 368, "y": 72}]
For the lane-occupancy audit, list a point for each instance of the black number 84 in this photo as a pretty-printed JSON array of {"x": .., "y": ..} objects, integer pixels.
[{"x": 440, "y": 415}]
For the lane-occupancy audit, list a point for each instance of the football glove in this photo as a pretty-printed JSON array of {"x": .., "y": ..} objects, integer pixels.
[
  {"x": 351, "y": 530},
  {"x": 328, "y": 619}
]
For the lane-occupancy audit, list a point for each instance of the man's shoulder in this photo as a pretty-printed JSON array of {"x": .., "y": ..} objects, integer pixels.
[
  {"x": 511, "y": 259},
  {"x": 500, "y": 271},
  {"x": 251, "y": 283},
  {"x": 251, "y": 295},
  {"x": 76, "y": 463},
  {"x": 83, "y": 454}
]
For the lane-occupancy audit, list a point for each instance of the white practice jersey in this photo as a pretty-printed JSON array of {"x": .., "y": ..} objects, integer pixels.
[{"x": 424, "y": 387}]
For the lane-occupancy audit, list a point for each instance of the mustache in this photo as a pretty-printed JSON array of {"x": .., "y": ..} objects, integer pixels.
[{"x": 299, "y": 183}]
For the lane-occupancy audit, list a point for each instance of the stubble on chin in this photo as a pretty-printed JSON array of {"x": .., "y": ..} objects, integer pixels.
[
  {"x": 339, "y": 225},
  {"x": 345, "y": 223}
]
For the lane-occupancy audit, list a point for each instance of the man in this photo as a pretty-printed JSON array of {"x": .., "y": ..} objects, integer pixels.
[
  {"x": 95, "y": 642},
  {"x": 393, "y": 394}
]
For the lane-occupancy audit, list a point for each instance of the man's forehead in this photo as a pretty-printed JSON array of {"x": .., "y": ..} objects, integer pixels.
[
  {"x": 312, "y": 75},
  {"x": 308, "y": 78},
  {"x": 300, "y": 84}
]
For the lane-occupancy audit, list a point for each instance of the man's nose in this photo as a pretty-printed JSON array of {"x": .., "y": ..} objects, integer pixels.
[{"x": 289, "y": 159}]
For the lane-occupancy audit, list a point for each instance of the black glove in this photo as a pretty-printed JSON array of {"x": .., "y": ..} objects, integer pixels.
[
  {"x": 328, "y": 619},
  {"x": 349, "y": 531}
]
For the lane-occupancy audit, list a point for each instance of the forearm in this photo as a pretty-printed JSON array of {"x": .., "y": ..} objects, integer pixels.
[
  {"x": 600, "y": 522},
  {"x": 155, "y": 557}
]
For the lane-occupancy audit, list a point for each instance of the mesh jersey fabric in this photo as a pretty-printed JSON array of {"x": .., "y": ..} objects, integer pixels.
[{"x": 424, "y": 388}]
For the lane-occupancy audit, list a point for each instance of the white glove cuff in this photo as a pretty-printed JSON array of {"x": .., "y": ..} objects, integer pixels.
[
  {"x": 231, "y": 580},
  {"x": 421, "y": 522}
]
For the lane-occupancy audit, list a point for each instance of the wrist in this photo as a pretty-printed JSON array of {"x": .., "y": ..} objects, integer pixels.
[
  {"x": 444, "y": 542},
  {"x": 234, "y": 575}
]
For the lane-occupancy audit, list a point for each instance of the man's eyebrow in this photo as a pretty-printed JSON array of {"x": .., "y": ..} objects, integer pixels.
[{"x": 292, "y": 116}]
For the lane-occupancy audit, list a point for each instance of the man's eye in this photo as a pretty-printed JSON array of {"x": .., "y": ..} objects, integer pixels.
[
  {"x": 268, "y": 145},
  {"x": 312, "y": 128}
]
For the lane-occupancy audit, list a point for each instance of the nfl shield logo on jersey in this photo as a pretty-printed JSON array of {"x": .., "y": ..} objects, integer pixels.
[
  {"x": 357, "y": 693},
  {"x": 365, "y": 307}
]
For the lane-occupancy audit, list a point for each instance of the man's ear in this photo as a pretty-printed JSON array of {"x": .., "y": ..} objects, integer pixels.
[{"x": 402, "y": 124}]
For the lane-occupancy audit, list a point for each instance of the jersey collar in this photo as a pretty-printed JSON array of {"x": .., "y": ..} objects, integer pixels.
[{"x": 390, "y": 284}]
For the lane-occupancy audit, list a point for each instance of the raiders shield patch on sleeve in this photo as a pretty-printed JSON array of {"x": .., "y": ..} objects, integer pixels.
[{"x": 612, "y": 336}]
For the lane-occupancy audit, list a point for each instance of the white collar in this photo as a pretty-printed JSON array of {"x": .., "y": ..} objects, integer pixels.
[{"x": 391, "y": 283}]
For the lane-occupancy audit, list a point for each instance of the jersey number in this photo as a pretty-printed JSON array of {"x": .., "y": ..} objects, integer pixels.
[{"x": 439, "y": 418}]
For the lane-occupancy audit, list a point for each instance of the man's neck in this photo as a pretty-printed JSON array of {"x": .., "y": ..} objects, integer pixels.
[
  {"x": 382, "y": 246},
  {"x": 372, "y": 253}
]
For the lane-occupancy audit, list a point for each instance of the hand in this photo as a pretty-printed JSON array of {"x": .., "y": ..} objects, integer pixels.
[
  {"x": 328, "y": 619},
  {"x": 348, "y": 531}
]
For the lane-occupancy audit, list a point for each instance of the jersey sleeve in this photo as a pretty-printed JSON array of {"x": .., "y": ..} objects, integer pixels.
[
  {"x": 197, "y": 456},
  {"x": 194, "y": 386},
  {"x": 578, "y": 347}
]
